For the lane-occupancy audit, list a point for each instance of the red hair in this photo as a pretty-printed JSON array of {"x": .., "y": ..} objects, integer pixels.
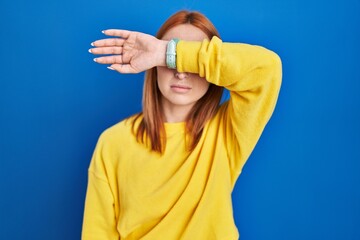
[{"x": 151, "y": 126}]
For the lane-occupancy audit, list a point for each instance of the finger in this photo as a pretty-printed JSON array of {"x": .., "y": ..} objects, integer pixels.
[
  {"x": 109, "y": 59},
  {"x": 106, "y": 50},
  {"x": 123, "y": 68},
  {"x": 117, "y": 33},
  {"x": 108, "y": 42}
]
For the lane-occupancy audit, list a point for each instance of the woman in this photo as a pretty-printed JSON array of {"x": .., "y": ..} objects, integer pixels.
[{"x": 168, "y": 172}]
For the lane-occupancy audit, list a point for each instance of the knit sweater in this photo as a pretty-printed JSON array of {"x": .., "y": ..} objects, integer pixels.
[{"x": 135, "y": 193}]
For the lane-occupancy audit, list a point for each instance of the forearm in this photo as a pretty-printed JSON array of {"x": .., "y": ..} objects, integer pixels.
[{"x": 229, "y": 64}]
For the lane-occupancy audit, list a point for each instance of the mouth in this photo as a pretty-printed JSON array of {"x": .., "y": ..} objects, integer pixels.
[{"x": 180, "y": 88}]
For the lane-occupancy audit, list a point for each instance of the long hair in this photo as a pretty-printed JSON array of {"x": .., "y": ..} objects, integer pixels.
[{"x": 151, "y": 127}]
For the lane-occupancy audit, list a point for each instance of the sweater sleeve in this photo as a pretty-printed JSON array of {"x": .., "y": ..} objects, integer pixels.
[
  {"x": 99, "y": 221},
  {"x": 253, "y": 76}
]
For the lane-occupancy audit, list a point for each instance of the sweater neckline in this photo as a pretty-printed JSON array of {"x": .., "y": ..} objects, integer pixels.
[{"x": 174, "y": 127}]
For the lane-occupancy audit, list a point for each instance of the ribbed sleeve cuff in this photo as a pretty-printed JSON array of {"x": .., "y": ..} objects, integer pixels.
[{"x": 187, "y": 59}]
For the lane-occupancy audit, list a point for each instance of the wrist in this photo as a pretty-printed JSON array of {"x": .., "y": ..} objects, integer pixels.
[{"x": 161, "y": 53}]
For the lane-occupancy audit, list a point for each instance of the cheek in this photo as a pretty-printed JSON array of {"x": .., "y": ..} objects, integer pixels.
[
  {"x": 201, "y": 85},
  {"x": 163, "y": 76}
]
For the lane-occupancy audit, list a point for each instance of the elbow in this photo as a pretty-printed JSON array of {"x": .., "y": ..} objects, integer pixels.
[
  {"x": 276, "y": 62},
  {"x": 277, "y": 70},
  {"x": 275, "y": 67},
  {"x": 271, "y": 65}
]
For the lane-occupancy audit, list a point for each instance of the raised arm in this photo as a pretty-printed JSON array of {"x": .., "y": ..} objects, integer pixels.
[{"x": 253, "y": 75}]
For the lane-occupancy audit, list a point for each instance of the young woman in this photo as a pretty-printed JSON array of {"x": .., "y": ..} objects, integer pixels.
[{"x": 168, "y": 172}]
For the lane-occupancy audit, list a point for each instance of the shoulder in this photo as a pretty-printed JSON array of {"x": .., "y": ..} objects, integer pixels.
[{"x": 119, "y": 132}]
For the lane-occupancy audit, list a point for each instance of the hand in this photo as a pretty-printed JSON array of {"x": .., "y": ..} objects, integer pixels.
[{"x": 130, "y": 52}]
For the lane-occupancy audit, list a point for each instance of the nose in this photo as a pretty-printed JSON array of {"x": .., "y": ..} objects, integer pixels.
[{"x": 181, "y": 75}]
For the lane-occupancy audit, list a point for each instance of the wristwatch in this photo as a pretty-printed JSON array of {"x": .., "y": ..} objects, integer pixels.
[{"x": 171, "y": 53}]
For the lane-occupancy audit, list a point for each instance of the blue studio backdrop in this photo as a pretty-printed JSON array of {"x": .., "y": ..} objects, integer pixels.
[{"x": 302, "y": 181}]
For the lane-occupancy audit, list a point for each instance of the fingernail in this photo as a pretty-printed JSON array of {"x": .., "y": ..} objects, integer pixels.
[
  {"x": 110, "y": 68},
  {"x": 94, "y": 59},
  {"x": 103, "y": 31},
  {"x": 92, "y": 44},
  {"x": 90, "y": 50}
]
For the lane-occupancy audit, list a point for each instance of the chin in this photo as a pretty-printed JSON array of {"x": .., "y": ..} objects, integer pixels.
[
  {"x": 180, "y": 101},
  {"x": 183, "y": 103}
]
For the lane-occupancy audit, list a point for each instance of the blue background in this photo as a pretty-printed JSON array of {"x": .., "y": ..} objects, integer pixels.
[{"x": 302, "y": 180}]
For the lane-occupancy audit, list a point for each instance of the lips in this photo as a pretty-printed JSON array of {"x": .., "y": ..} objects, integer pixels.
[
  {"x": 180, "y": 86},
  {"x": 180, "y": 89}
]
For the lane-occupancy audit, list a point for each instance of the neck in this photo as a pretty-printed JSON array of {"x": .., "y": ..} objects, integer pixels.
[{"x": 175, "y": 113}]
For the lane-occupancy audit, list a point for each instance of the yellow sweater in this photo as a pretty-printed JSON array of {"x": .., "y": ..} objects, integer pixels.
[{"x": 134, "y": 193}]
